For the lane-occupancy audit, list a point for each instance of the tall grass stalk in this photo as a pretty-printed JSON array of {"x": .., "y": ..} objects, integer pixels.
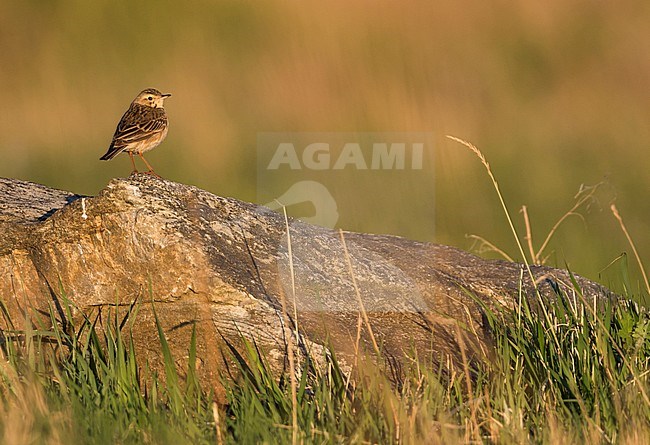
[
  {"x": 362, "y": 308},
  {"x": 290, "y": 345},
  {"x": 504, "y": 207},
  {"x": 513, "y": 230},
  {"x": 632, "y": 245}
]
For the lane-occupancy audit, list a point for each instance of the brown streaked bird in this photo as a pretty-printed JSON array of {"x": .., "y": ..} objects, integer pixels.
[{"x": 143, "y": 127}]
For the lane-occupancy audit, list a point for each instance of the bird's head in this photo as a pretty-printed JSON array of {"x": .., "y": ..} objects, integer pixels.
[{"x": 151, "y": 97}]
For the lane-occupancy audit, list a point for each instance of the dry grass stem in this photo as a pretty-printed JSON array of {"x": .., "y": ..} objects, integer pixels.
[
  {"x": 290, "y": 345},
  {"x": 486, "y": 164},
  {"x": 529, "y": 233},
  {"x": 217, "y": 422},
  {"x": 362, "y": 308},
  {"x": 584, "y": 195},
  {"x": 629, "y": 240},
  {"x": 490, "y": 247}
]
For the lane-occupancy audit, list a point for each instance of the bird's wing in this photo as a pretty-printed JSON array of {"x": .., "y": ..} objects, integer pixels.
[{"x": 137, "y": 124}]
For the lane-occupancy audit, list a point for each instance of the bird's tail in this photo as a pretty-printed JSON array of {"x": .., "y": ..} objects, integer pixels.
[{"x": 111, "y": 153}]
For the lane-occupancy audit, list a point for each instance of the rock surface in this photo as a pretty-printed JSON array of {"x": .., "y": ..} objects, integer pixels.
[{"x": 223, "y": 266}]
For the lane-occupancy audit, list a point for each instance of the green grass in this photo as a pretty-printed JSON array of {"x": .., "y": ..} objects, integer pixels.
[
  {"x": 576, "y": 376},
  {"x": 88, "y": 388}
]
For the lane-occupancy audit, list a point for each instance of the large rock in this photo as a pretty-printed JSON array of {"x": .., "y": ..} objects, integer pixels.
[{"x": 223, "y": 266}]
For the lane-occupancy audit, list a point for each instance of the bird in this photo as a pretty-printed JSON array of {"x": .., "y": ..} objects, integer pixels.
[{"x": 142, "y": 128}]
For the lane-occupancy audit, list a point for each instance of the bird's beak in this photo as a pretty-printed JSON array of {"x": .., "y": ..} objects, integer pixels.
[{"x": 166, "y": 95}]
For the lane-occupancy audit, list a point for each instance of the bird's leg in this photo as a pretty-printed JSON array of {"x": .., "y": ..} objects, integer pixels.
[
  {"x": 150, "y": 172},
  {"x": 135, "y": 170}
]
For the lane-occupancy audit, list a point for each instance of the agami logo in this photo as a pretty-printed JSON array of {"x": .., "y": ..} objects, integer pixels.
[
  {"x": 321, "y": 156},
  {"x": 357, "y": 181}
]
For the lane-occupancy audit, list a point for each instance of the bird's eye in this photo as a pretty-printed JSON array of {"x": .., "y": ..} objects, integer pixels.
[{"x": 149, "y": 98}]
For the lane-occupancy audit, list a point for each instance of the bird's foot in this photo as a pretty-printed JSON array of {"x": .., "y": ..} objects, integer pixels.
[{"x": 152, "y": 173}]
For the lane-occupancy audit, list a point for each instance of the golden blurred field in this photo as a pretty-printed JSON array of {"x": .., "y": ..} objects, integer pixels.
[{"x": 556, "y": 94}]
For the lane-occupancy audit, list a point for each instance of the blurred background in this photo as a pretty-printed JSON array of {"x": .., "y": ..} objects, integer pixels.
[{"x": 556, "y": 94}]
